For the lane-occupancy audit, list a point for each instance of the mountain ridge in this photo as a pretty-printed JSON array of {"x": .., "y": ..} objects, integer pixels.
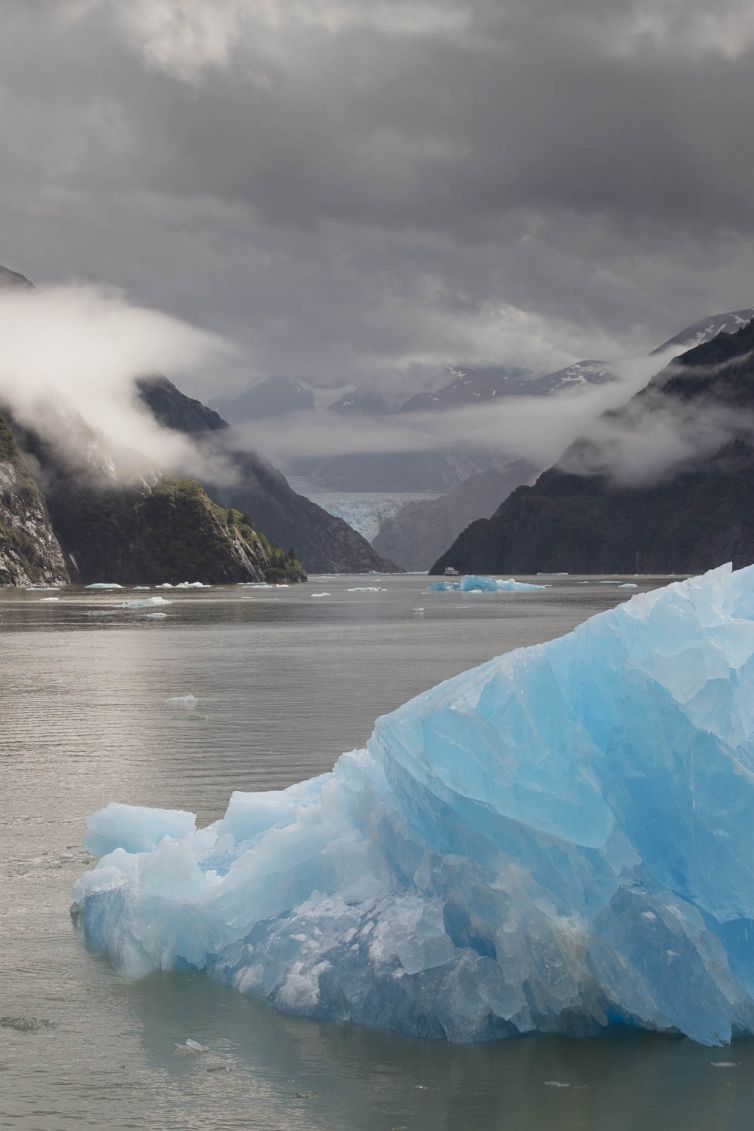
[{"x": 688, "y": 520}]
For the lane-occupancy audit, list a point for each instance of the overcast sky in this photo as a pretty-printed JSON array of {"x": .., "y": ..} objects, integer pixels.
[{"x": 368, "y": 190}]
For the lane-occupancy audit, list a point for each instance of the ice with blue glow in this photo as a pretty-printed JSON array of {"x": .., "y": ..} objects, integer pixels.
[
  {"x": 558, "y": 840},
  {"x": 473, "y": 584}
]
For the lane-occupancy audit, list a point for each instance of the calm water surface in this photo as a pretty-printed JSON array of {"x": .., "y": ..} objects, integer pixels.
[{"x": 285, "y": 682}]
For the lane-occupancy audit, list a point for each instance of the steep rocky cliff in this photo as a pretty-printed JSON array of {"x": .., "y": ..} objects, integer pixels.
[
  {"x": 322, "y": 542},
  {"x": 166, "y": 531},
  {"x": 30, "y": 553},
  {"x": 690, "y": 517}
]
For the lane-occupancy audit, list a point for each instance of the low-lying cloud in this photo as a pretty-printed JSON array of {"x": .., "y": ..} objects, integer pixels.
[
  {"x": 535, "y": 428},
  {"x": 71, "y": 356},
  {"x": 655, "y": 437}
]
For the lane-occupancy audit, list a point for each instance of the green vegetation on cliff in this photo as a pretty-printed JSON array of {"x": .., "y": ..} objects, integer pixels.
[{"x": 168, "y": 531}]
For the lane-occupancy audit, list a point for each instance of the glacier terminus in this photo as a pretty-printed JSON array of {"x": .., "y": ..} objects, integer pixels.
[{"x": 558, "y": 840}]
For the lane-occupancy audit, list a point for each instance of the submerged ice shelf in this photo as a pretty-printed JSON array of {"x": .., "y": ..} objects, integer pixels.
[{"x": 556, "y": 840}]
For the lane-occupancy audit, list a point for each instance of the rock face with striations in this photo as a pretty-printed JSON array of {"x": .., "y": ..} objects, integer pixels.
[
  {"x": 322, "y": 542},
  {"x": 30, "y": 553},
  {"x": 698, "y": 517}
]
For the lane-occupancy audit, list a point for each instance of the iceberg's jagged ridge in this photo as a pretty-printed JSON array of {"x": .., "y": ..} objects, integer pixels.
[{"x": 559, "y": 839}]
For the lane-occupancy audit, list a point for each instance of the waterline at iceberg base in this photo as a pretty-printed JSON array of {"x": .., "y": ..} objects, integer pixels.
[{"x": 557, "y": 840}]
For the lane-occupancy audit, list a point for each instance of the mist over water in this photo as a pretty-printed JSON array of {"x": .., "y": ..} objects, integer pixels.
[{"x": 283, "y": 684}]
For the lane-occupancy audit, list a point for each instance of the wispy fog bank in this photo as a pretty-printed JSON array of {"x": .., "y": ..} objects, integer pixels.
[{"x": 74, "y": 353}]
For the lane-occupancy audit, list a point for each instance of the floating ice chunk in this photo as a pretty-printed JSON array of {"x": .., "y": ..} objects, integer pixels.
[
  {"x": 319, "y": 594},
  {"x": 157, "y": 616},
  {"x": 367, "y": 589},
  {"x": 165, "y": 585},
  {"x": 134, "y": 828},
  {"x": 556, "y": 840},
  {"x": 188, "y": 702},
  {"x": 104, "y": 585},
  {"x": 628, "y": 585},
  {"x": 146, "y": 602},
  {"x": 472, "y": 583},
  {"x": 418, "y": 611},
  {"x": 138, "y": 587},
  {"x": 513, "y": 586},
  {"x": 192, "y": 585},
  {"x": 190, "y": 1048},
  {"x": 42, "y": 600}
]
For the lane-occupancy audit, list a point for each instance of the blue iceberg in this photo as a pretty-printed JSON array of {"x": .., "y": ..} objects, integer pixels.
[
  {"x": 558, "y": 840},
  {"x": 474, "y": 584}
]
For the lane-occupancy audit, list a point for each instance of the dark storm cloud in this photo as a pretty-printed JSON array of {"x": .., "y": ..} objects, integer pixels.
[{"x": 369, "y": 191}]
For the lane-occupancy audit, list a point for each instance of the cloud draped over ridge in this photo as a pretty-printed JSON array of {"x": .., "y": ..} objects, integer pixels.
[
  {"x": 73, "y": 354},
  {"x": 368, "y": 191},
  {"x": 534, "y": 428}
]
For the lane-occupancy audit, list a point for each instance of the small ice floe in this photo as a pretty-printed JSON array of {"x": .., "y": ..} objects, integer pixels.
[
  {"x": 165, "y": 585},
  {"x": 628, "y": 585},
  {"x": 192, "y": 585},
  {"x": 187, "y": 702},
  {"x": 513, "y": 586},
  {"x": 43, "y": 599},
  {"x": 157, "y": 616},
  {"x": 136, "y": 588},
  {"x": 725, "y": 1063},
  {"x": 418, "y": 612},
  {"x": 557, "y": 1084},
  {"x": 42, "y": 588},
  {"x": 319, "y": 594},
  {"x": 145, "y": 603},
  {"x": 190, "y": 1048},
  {"x": 104, "y": 585},
  {"x": 367, "y": 589}
]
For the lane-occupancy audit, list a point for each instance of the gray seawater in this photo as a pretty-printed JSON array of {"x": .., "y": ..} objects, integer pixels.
[{"x": 285, "y": 682}]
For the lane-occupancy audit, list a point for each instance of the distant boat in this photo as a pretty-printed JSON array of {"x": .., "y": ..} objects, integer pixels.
[{"x": 450, "y": 572}]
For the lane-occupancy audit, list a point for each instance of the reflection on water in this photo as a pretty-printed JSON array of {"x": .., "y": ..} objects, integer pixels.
[{"x": 283, "y": 684}]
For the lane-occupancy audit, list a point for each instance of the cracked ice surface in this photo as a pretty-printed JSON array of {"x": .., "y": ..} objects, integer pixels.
[{"x": 556, "y": 840}]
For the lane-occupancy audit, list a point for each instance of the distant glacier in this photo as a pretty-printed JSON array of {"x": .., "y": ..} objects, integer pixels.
[{"x": 558, "y": 840}]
